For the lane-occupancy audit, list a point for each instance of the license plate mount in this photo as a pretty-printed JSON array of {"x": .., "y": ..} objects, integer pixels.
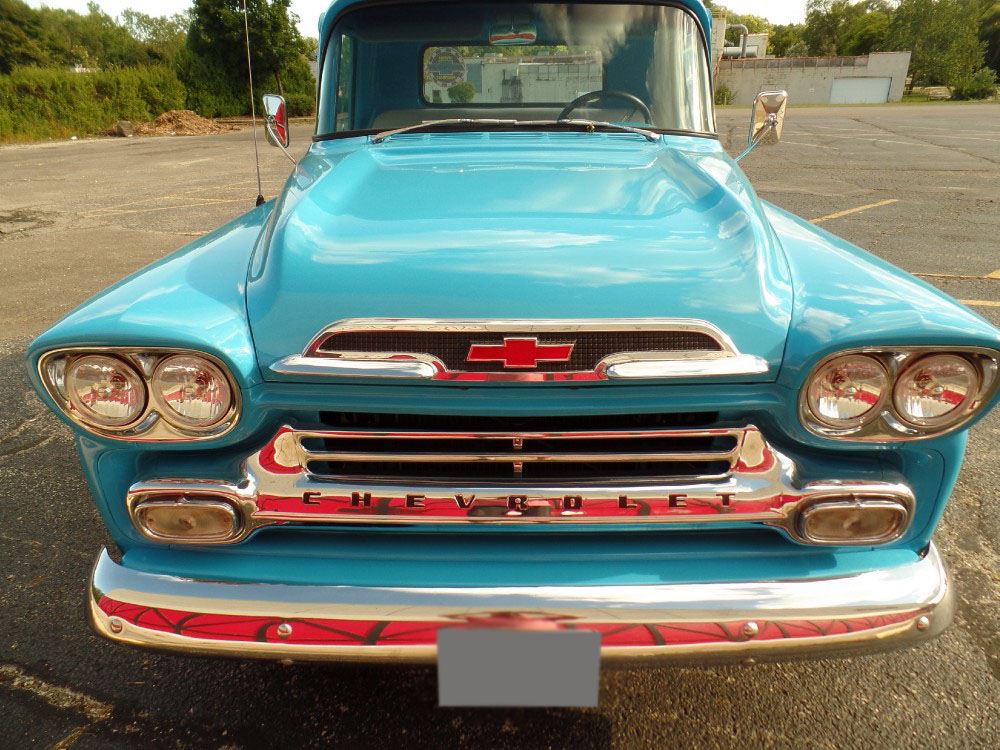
[{"x": 496, "y": 667}]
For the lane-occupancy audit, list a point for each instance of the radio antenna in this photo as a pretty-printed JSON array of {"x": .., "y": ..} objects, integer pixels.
[{"x": 253, "y": 106}]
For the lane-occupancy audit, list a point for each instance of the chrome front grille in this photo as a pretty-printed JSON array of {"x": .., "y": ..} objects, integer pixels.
[
  {"x": 593, "y": 448},
  {"x": 452, "y": 348},
  {"x": 720, "y": 476},
  {"x": 539, "y": 351}
]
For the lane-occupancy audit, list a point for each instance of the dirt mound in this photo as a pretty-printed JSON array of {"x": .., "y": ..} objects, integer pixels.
[{"x": 181, "y": 122}]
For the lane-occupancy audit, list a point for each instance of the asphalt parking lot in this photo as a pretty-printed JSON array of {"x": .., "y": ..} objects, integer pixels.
[{"x": 918, "y": 185}]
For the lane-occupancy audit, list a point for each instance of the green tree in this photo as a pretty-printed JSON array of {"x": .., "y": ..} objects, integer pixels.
[
  {"x": 164, "y": 35},
  {"x": 989, "y": 32},
  {"x": 217, "y": 34},
  {"x": 20, "y": 36},
  {"x": 106, "y": 42},
  {"x": 461, "y": 93},
  {"x": 50, "y": 36},
  {"x": 799, "y": 49},
  {"x": 943, "y": 36},
  {"x": 754, "y": 24},
  {"x": 843, "y": 27},
  {"x": 312, "y": 47},
  {"x": 784, "y": 36}
]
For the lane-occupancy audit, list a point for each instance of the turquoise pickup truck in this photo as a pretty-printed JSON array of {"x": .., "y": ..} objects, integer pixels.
[{"x": 517, "y": 347}]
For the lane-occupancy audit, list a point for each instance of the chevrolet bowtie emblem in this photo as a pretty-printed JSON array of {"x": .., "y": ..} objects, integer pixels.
[{"x": 520, "y": 352}]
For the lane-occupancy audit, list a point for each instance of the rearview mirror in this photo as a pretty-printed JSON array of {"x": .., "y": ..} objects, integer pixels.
[
  {"x": 276, "y": 120},
  {"x": 768, "y": 117},
  {"x": 513, "y": 34}
]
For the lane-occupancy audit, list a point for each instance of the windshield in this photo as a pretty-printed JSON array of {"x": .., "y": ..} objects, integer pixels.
[{"x": 393, "y": 66}]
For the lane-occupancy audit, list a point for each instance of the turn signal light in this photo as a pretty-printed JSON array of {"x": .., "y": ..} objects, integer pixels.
[
  {"x": 854, "y": 521},
  {"x": 187, "y": 518}
]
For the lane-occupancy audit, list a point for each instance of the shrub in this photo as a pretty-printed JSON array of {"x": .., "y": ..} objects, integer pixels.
[
  {"x": 55, "y": 103},
  {"x": 211, "y": 92},
  {"x": 300, "y": 105},
  {"x": 723, "y": 95},
  {"x": 462, "y": 93},
  {"x": 979, "y": 85},
  {"x": 217, "y": 90}
]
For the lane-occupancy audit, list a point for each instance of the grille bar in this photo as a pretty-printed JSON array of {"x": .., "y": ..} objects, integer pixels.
[
  {"x": 409, "y": 454},
  {"x": 525, "y": 457},
  {"x": 509, "y": 435}
]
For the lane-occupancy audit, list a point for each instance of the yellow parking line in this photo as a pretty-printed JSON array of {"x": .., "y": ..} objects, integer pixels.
[
  {"x": 980, "y": 302},
  {"x": 994, "y": 275},
  {"x": 187, "y": 194},
  {"x": 854, "y": 210},
  {"x": 945, "y": 275},
  {"x": 167, "y": 208}
]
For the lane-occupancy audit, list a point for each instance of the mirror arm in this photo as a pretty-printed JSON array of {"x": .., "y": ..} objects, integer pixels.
[
  {"x": 769, "y": 123},
  {"x": 275, "y": 140},
  {"x": 286, "y": 153}
]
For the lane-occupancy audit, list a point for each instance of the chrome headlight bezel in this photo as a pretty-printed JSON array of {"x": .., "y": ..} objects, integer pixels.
[
  {"x": 954, "y": 414},
  {"x": 151, "y": 425},
  {"x": 126, "y": 371},
  {"x": 889, "y": 425},
  {"x": 844, "y": 422},
  {"x": 172, "y": 414}
]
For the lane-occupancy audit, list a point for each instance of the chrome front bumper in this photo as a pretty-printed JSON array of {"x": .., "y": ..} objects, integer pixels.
[{"x": 695, "y": 623}]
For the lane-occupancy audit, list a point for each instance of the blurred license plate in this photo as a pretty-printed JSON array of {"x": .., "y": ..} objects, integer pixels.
[{"x": 482, "y": 667}]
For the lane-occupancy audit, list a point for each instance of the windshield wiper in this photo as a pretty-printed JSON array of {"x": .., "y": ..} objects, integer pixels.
[
  {"x": 592, "y": 125},
  {"x": 589, "y": 125},
  {"x": 379, "y": 137}
]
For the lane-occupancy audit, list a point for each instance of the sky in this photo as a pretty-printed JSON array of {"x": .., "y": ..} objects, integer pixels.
[{"x": 778, "y": 11}]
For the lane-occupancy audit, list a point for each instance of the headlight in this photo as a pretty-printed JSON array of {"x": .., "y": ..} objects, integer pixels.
[
  {"x": 105, "y": 391},
  {"x": 897, "y": 393},
  {"x": 847, "y": 390},
  {"x": 191, "y": 391},
  {"x": 936, "y": 390},
  {"x": 142, "y": 394}
]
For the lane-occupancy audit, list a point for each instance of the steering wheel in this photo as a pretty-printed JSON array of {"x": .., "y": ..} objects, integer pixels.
[{"x": 596, "y": 96}]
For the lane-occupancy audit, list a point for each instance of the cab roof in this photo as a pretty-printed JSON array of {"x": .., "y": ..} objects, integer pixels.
[{"x": 337, "y": 6}]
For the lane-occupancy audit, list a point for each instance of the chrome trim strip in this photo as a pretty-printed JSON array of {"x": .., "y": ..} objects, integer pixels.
[
  {"x": 759, "y": 487},
  {"x": 509, "y": 457},
  {"x": 740, "y": 364},
  {"x": 623, "y": 365},
  {"x": 528, "y": 325},
  {"x": 915, "y": 600},
  {"x": 362, "y": 434},
  {"x": 353, "y": 368}
]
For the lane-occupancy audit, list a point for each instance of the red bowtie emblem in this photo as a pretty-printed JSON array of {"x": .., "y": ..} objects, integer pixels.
[{"x": 520, "y": 352}]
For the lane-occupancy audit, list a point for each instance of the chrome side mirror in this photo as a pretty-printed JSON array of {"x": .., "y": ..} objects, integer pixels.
[
  {"x": 276, "y": 120},
  {"x": 766, "y": 120},
  {"x": 768, "y": 117}
]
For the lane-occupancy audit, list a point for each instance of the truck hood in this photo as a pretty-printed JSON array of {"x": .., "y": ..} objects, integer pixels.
[{"x": 518, "y": 226}]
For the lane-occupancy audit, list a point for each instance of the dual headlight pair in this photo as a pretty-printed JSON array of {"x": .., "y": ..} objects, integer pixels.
[
  {"x": 908, "y": 393},
  {"x": 147, "y": 394}
]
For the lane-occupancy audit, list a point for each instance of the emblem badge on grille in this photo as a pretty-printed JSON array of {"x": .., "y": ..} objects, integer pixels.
[{"x": 520, "y": 352}]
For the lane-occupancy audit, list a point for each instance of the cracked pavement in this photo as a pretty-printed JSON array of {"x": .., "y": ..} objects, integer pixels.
[{"x": 75, "y": 217}]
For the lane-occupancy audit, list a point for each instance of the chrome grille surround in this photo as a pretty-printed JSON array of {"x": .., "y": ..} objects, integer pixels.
[
  {"x": 758, "y": 488},
  {"x": 687, "y": 348}
]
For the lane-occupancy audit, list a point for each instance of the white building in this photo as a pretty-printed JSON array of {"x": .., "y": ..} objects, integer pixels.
[
  {"x": 541, "y": 79},
  {"x": 864, "y": 79}
]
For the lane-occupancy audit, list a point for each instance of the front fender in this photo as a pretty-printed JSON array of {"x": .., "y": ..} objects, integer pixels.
[
  {"x": 194, "y": 298},
  {"x": 844, "y": 297}
]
